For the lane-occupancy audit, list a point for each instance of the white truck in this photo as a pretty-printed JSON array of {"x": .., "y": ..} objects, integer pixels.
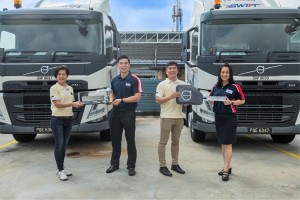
[
  {"x": 78, "y": 34},
  {"x": 261, "y": 41}
]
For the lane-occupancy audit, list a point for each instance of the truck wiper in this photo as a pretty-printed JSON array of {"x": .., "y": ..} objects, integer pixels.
[
  {"x": 20, "y": 53},
  {"x": 243, "y": 52},
  {"x": 279, "y": 52},
  {"x": 70, "y": 52},
  {"x": 23, "y": 52}
]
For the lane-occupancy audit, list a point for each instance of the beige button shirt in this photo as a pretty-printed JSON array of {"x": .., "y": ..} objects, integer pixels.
[
  {"x": 169, "y": 109},
  {"x": 66, "y": 95}
]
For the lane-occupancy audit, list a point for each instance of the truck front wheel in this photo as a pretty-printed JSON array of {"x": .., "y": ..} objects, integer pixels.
[
  {"x": 283, "y": 138},
  {"x": 24, "y": 137},
  {"x": 196, "y": 135},
  {"x": 105, "y": 135}
]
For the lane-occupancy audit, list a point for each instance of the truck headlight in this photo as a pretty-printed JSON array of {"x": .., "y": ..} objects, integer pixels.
[{"x": 96, "y": 109}]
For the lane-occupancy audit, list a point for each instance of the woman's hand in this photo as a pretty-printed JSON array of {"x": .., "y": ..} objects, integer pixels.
[
  {"x": 227, "y": 101},
  {"x": 77, "y": 104}
]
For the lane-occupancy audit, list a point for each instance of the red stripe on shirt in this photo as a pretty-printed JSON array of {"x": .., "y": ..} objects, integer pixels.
[
  {"x": 139, "y": 83},
  {"x": 211, "y": 90},
  {"x": 233, "y": 109},
  {"x": 239, "y": 89}
]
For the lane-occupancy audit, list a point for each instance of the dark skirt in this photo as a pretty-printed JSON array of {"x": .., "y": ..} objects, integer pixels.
[{"x": 226, "y": 128}]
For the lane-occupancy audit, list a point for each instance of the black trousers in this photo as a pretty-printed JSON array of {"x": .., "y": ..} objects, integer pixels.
[{"x": 118, "y": 121}]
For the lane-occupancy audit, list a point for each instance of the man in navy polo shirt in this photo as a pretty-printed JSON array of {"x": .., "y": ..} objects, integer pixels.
[{"x": 126, "y": 93}]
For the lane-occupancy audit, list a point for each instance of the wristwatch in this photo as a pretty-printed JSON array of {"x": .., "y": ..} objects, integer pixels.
[
  {"x": 122, "y": 100},
  {"x": 232, "y": 102}
]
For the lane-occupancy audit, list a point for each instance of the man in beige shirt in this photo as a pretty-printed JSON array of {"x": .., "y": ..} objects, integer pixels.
[{"x": 172, "y": 118}]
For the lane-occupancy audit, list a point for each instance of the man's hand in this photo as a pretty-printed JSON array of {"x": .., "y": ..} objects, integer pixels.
[
  {"x": 174, "y": 95},
  {"x": 116, "y": 102}
]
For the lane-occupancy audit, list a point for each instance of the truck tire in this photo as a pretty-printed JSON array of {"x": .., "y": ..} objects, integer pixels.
[
  {"x": 24, "y": 137},
  {"x": 105, "y": 135},
  {"x": 283, "y": 138},
  {"x": 196, "y": 135}
]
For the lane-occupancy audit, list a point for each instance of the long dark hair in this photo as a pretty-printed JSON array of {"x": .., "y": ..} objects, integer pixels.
[{"x": 231, "y": 81}]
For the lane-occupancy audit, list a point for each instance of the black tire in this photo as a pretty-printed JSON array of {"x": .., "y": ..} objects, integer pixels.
[
  {"x": 105, "y": 135},
  {"x": 24, "y": 137},
  {"x": 283, "y": 138},
  {"x": 196, "y": 135}
]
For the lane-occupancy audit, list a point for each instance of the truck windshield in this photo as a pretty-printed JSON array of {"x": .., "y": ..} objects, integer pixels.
[
  {"x": 49, "y": 36},
  {"x": 249, "y": 36}
]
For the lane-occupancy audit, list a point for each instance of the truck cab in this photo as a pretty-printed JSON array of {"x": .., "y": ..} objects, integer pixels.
[
  {"x": 33, "y": 42},
  {"x": 261, "y": 43}
]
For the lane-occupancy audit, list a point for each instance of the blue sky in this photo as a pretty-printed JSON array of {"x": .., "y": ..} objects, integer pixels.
[{"x": 144, "y": 15}]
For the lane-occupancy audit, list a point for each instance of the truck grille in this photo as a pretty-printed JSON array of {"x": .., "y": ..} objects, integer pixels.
[
  {"x": 32, "y": 108},
  {"x": 269, "y": 109}
]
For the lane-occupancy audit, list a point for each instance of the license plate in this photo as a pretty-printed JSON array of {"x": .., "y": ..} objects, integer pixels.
[
  {"x": 43, "y": 130},
  {"x": 260, "y": 130}
]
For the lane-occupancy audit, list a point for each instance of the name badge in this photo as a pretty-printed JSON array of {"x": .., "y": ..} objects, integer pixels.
[{"x": 229, "y": 91}]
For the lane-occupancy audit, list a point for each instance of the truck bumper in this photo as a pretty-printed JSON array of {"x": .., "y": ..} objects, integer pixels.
[
  {"x": 85, "y": 127},
  {"x": 210, "y": 128}
]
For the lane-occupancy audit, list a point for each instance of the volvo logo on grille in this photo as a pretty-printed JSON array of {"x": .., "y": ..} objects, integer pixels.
[
  {"x": 44, "y": 69},
  {"x": 260, "y": 69}
]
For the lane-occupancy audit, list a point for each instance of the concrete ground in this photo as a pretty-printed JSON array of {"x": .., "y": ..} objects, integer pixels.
[{"x": 262, "y": 169}]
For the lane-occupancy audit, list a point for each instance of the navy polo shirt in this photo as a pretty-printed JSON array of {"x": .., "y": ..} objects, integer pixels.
[
  {"x": 123, "y": 88},
  {"x": 232, "y": 92}
]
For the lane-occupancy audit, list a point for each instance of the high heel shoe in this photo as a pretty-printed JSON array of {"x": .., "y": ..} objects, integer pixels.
[
  {"x": 220, "y": 173},
  {"x": 225, "y": 176}
]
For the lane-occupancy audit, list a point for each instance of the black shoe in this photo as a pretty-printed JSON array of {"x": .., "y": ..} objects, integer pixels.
[
  {"x": 225, "y": 176},
  {"x": 177, "y": 169},
  {"x": 131, "y": 172},
  {"x": 220, "y": 173},
  {"x": 165, "y": 171},
  {"x": 111, "y": 169}
]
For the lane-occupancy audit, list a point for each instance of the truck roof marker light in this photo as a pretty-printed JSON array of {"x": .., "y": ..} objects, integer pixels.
[
  {"x": 217, "y": 4},
  {"x": 17, "y": 4}
]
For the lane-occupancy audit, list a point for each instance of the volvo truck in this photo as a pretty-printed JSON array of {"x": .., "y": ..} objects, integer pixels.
[
  {"x": 261, "y": 41},
  {"x": 33, "y": 42}
]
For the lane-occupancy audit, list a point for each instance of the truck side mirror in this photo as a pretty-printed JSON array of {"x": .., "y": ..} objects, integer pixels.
[
  {"x": 184, "y": 47},
  {"x": 185, "y": 44},
  {"x": 117, "y": 44},
  {"x": 2, "y": 52}
]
